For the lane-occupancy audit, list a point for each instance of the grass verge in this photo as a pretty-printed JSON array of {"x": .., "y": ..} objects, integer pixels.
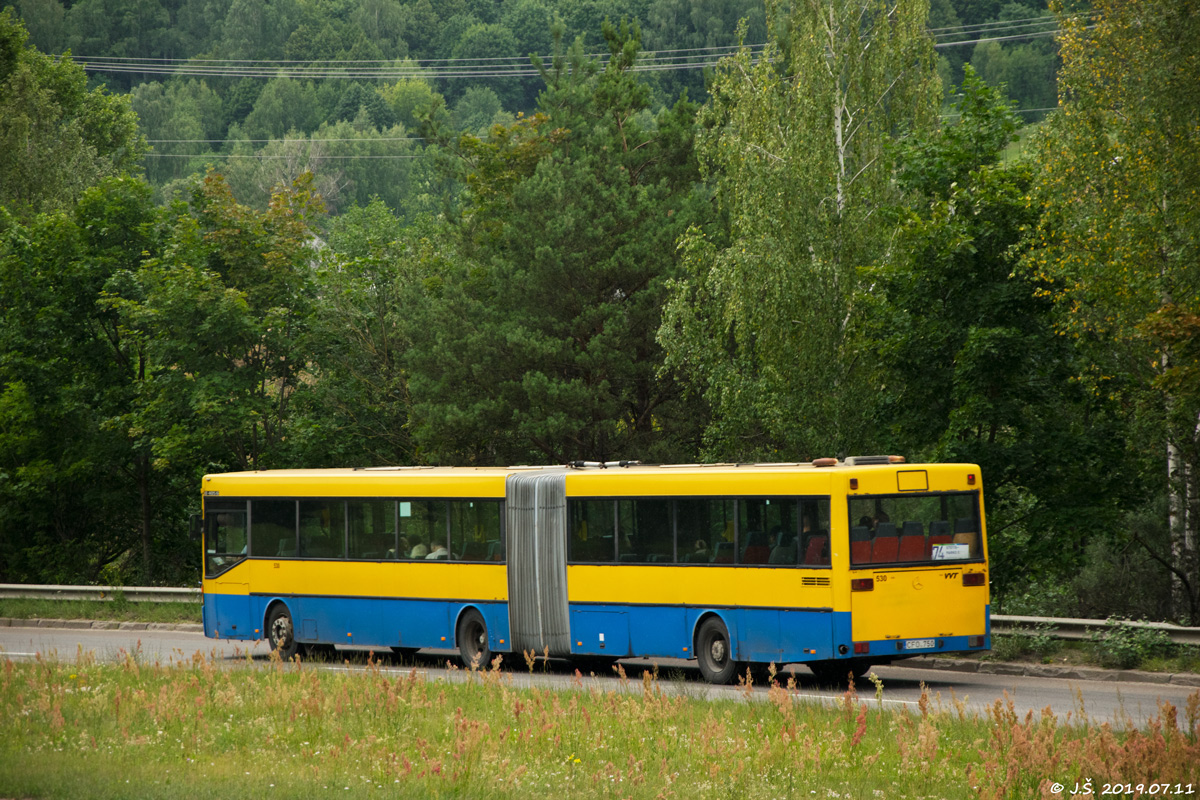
[
  {"x": 137, "y": 730},
  {"x": 118, "y": 609}
]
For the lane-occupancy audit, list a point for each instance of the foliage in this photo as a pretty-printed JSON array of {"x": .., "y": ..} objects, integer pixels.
[
  {"x": 76, "y": 488},
  {"x": 798, "y": 143},
  {"x": 56, "y": 137},
  {"x": 1117, "y": 239},
  {"x": 356, "y": 408},
  {"x": 1039, "y": 642},
  {"x": 1125, "y": 646},
  {"x": 221, "y": 316},
  {"x": 539, "y": 343}
]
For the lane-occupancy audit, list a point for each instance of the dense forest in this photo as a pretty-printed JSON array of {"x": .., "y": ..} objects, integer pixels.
[{"x": 240, "y": 235}]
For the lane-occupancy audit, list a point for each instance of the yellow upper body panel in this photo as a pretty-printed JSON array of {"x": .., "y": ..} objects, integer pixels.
[
  {"x": 635, "y": 481},
  {"x": 384, "y": 482}
]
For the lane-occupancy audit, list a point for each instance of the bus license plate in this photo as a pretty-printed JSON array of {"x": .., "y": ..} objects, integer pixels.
[{"x": 918, "y": 644}]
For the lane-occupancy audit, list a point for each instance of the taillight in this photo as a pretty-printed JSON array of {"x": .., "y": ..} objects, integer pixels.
[
  {"x": 970, "y": 479},
  {"x": 862, "y": 584},
  {"x": 862, "y": 648},
  {"x": 974, "y": 579},
  {"x": 975, "y": 641}
]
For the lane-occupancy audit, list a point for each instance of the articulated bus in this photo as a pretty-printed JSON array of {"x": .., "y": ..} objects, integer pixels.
[{"x": 834, "y": 564}]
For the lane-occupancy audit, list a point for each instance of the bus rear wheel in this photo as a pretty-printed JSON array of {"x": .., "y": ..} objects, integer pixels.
[
  {"x": 281, "y": 633},
  {"x": 473, "y": 640},
  {"x": 713, "y": 652}
]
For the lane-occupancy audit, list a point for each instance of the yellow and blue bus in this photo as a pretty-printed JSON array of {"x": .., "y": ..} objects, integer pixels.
[{"x": 834, "y": 564}]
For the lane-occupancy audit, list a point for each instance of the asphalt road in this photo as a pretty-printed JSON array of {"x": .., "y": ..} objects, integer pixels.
[{"x": 1118, "y": 702}]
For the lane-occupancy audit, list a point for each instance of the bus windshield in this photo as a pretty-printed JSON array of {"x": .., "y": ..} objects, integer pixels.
[
  {"x": 914, "y": 528},
  {"x": 224, "y": 536}
]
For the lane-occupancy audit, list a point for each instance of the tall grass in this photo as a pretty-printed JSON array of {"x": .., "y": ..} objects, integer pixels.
[{"x": 194, "y": 728}]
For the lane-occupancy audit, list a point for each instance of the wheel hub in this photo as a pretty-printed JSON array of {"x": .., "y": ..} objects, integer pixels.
[
  {"x": 717, "y": 650},
  {"x": 281, "y": 632}
]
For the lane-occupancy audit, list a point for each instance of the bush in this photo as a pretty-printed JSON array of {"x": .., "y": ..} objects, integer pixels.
[
  {"x": 1038, "y": 643},
  {"x": 1125, "y": 646}
]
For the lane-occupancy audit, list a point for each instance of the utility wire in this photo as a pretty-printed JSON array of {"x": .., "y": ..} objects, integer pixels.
[{"x": 503, "y": 66}]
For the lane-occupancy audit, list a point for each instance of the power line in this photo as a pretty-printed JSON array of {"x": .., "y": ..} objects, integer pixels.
[{"x": 502, "y": 66}]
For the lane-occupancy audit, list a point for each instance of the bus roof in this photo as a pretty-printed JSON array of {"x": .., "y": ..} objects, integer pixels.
[{"x": 589, "y": 480}]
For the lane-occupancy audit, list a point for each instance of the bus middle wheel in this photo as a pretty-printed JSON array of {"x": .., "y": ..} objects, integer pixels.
[
  {"x": 281, "y": 633},
  {"x": 714, "y": 652},
  {"x": 473, "y": 640}
]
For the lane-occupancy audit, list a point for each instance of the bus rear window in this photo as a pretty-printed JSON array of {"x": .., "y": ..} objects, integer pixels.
[{"x": 914, "y": 529}]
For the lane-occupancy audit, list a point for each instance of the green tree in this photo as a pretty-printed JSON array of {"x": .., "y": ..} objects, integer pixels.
[
  {"x": 220, "y": 315},
  {"x": 77, "y": 489},
  {"x": 1120, "y": 184},
  {"x": 284, "y": 106},
  {"x": 537, "y": 343},
  {"x": 411, "y": 100},
  {"x": 181, "y": 115},
  {"x": 474, "y": 47},
  {"x": 56, "y": 137},
  {"x": 973, "y": 368},
  {"x": 798, "y": 143},
  {"x": 356, "y": 408}
]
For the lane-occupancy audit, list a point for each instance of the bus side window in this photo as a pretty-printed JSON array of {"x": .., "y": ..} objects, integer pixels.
[
  {"x": 645, "y": 527},
  {"x": 702, "y": 528},
  {"x": 322, "y": 529},
  {"x": 814, "y": 532},
  {"x": 473, "y": 523},
  {"x": 372, "y": 529},
  {"x": 592, "y": 524},
  {"x": 273, "y": 528}
]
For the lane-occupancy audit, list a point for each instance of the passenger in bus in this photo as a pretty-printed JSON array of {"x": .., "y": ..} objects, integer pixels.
[
  {"x": 419, "y": 550},
  {"x": 699, "y": 552},
  {"x": 438, "y": 553},
  {"x": 784, "y": 552}
]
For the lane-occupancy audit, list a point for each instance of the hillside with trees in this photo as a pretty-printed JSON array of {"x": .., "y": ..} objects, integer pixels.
[{"x": 239, "y": 235}]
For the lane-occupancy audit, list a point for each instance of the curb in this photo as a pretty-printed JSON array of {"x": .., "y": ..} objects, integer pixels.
[
  {"x": 1078, "y": 673},
  {"x": 101, "y": 625}
]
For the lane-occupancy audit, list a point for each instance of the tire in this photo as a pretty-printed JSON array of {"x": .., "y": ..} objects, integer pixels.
[
  {"x": 837, "y": 672},
  {"x": 281, "y": 633},
  {"x": 714, "y": 652},
  {"x": 472, "y": 639}
]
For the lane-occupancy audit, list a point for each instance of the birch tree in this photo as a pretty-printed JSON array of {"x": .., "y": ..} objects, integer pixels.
[
  {"x": 1120, "y": 233},
  {"x": 798, "y": 142}
]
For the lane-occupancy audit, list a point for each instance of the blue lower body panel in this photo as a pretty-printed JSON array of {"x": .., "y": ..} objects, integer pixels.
[
  {"x": 361, "y": 622},
  {"x": 758, "y": 634}
]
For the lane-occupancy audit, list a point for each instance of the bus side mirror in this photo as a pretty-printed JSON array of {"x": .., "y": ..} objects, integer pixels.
[{"x": 197, "y": 527}]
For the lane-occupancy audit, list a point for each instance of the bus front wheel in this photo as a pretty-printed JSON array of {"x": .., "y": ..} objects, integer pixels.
[
  {"x": 714, "y": 653},
  {"x": 473, "y": 640},
  {"x": 281, "y": 633}
]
